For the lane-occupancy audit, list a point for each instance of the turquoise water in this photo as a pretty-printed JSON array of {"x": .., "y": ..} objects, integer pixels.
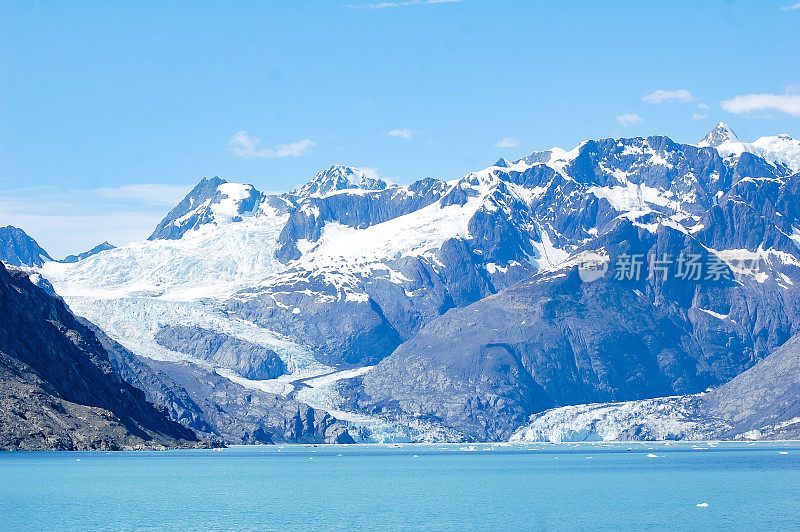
[{"x": 422, "y": 487}]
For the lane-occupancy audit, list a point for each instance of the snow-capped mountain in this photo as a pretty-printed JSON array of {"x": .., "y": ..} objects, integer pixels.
[
  {"x": 721, "y": 134},
  {"x": 454, "y": 308},
  {"x": 780, "y": 150},
  {"x": 212, "y": 201},
  {"x": 338, "y": 178}
]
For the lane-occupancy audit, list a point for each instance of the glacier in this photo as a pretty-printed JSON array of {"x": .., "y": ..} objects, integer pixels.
[{"x": 337, "y": 274}]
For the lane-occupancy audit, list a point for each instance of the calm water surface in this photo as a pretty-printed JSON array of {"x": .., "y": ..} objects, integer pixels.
[{"x": 418, "y": 487}]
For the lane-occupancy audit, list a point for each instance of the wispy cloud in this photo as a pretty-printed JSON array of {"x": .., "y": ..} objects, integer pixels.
[
  {"x": 747, "y": 103},
  {"x": 699, "y": 116},
  {"x": 71, "y": 220},
  {"x": 703, "y": 106},
  {"x": 629, "y": 119},
  {"x": 662, "y": 96},
  {"x": 384, "y": 5},
  {"x": 791, "y": 7},
  {"x": 508, "y": 142},
  {"x": 403, "y": 133},
  {"x": 147, "y": 194},
  {"x": 246, "y": 146}
]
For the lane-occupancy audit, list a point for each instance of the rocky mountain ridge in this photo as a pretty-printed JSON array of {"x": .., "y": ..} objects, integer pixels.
[
  {"x": 405, "y": 297},
  {"x": 57, "y": 387}
]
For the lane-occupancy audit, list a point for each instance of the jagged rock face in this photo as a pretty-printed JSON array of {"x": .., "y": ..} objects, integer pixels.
[
  {"x": 158, "y": 387},
  {"x": 522, "y": 216},
  {"x": 761, "y": 403},
  {"x": 554, "y": 340},
  {"x": 764, "y": 401},
  {"x": 721, "y": 134},
  {"x": 240, "y": 415},
  {"x": 339, "y": 177},
  {"x": 212, "y": 200},
  {"x": 18, "y": 249},
  {"x": 246, "y": 359},
  {"x": 216, "y": 408},
  {"x": 359, "y": 272},
  {"x": 311, "y": 212},
  {"x": 188, "y": 214},
  {"x": 59, "y": 390},
  {"x": 94, "y": 251}
]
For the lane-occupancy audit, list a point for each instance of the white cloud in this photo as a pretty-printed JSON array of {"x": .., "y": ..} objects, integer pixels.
[
  {"x": 746, "y": 103},
  {"x": 403, "y": 133},
  {"x": 791, "y": 7},
  {"x": 629, "y": 119},
  {"x": 73, "y": 220},
  {"x": 702, "y": 106},
  {"x": 148, "y": 193},
  {"x": 246, "y": 146},
  {"x": 661, "y": 96},
  {"x": 508, "y": 142},
  {"x": 699, "y": 116},
  {"x": 384, "y": 5}
]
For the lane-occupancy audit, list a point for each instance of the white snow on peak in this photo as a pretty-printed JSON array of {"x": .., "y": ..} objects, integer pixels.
[
  {"x": 779, "y": 150},
  {"x": 212, "y": 261},
  {"x": 721, "y": 134},
  {"x": 229, "y": 207},
  {"x": 222, "y": 207},
  {"x": 783, "y": 148},
  {"x": 340, "y": 177}
]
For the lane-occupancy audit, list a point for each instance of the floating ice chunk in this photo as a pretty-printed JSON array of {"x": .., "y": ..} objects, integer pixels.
[
  {"x": 651, "y": 455},
  {"x": 702, "y": 505},
  {"x": 783, "y": 452}
]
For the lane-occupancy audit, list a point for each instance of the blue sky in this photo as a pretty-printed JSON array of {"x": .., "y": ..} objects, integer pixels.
[{"x": 110, "y": 111}]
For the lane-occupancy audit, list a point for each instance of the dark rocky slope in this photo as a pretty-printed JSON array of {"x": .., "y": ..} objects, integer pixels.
[
  {"x": 58, "y": 390},
  {"x": 554, "y": 341},
  {"x": 219, "y": 409},
  {"x": 764, "y": 401}
]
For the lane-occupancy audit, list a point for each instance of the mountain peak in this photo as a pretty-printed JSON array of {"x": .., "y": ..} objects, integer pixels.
[
  {"x": 19, "y": 249},
  {"x": 211, "y": 201},
  {"x": 341, "y": 177},
  {"x": 721, "y": 134}
]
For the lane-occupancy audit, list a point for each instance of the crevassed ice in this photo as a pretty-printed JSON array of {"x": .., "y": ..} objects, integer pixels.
[{"x": 213, "y": 261}]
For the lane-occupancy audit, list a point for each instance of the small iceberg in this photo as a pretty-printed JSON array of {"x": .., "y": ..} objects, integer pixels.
[
  {"x": 702, "y": 505},
  {"x": 651, "y": 455}
]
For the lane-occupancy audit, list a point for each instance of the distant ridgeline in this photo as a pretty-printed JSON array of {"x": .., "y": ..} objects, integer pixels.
[{"x": 352, "y": 308}]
